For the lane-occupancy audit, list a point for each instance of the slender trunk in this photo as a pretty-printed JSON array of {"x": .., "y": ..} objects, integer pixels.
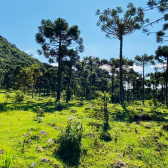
[
  {"x": 143, "y": 81},
  {"x": 133, "y": 91},
  {"x": 59, "y": 73},
  {"x": 112, "y": 96},
  {"x": 162, "y": 94},
  {"x": 121, "y": 83},
  {"x": 69, "y": 81},
  {"x": 166, "y": 83},
  {"x": 153, "y": 91},
  {"x": 149, "y": 92}
]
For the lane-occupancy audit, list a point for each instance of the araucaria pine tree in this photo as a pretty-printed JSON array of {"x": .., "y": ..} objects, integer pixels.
[
  {"x": 55, "y": 39},
  {"x": 116, "y": 27}
]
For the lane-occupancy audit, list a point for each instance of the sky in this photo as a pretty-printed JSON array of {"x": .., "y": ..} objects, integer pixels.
[{"x": 19, "y": 21}]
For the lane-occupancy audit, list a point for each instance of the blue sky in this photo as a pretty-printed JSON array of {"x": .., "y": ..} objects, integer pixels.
[{"x": 20, "y": 20}]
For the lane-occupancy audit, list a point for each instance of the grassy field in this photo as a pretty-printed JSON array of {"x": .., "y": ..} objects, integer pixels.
[{"x": 29, "y": 141}]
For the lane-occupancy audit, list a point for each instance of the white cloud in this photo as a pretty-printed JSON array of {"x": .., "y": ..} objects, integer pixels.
[
  {"x": 106, "y": 67},
  {"x": 54, "y": 64},
  {"x": 28, "y": 51},
  {"x": 137, "y": 68},
  {"x": 158, "y": 66},
  {"x": 148, "y": 78},
  {"x": 35, "y": 55}
]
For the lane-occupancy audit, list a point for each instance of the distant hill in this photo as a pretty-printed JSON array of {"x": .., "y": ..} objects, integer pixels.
[
  {"x": 9, "y": 53},
  {"x": 11, "y": 56}
]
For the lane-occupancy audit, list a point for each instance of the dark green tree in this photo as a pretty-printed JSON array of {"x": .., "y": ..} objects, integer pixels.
[
  {"x": 162, "y": 57},
  {"x": 162, "y": 7},
  {"x": 143, "y": 61},
  {"x": 71, "y": 62},
  {"x": 55, "y": 38},
  {"x": 116, "y": 27}
]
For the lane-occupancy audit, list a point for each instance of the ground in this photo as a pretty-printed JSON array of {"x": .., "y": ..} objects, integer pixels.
[{"x": 29, "y": 141}]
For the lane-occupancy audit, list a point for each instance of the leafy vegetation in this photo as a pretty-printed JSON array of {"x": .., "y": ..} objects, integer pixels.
[
  {"x": 87, "y": 112},
  {"x": 137, "y": 134}
]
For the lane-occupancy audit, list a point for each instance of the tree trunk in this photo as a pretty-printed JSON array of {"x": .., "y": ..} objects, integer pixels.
[
  {"x": 69, "y": 81},
  {"x": 121, "y": 83},
  {"x": 166, "y": 83},
  {"x": 59, "y": 74},
  {"x": 112, "y": 96},
  {"x": 143, "y": 81}
]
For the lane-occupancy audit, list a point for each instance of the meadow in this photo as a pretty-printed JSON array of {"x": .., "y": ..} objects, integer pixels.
[{"x": 38, "y": 132}]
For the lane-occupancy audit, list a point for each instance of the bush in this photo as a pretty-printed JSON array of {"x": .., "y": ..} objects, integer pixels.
[
  {"x": 70, "y": 140},
  {"x": 39, "y": 114},
  {"x": 19, "y": 96},
  {"x": 2, "y": 106},
  {"x": 8, "y": 95},
  {"x": 58, "y": 105},
  {"x": 49, "y": 101}
]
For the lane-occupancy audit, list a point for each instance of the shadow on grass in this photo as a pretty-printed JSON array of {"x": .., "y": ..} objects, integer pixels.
[
  {"x": 26, "y": 107},
  {"x": 68, "y": 161},
  {"x": 127, "y": 116}
]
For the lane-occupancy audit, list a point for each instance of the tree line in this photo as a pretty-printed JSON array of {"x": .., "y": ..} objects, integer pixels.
[{"x": 83, "y": 78}]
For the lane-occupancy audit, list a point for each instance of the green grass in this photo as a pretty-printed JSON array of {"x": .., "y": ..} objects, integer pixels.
[{"x": 142, "y": 144}]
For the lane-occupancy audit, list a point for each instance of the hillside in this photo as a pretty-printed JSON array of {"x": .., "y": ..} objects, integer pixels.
[{"x": 10, "y": 55}]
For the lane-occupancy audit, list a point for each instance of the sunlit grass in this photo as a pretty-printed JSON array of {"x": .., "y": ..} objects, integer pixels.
[{"x": 142, "y": 144}]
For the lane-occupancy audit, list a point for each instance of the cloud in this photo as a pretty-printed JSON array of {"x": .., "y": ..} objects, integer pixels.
[
  {"x": 54, "y": 64},
  {"x": 148, "y": 78},
  {"x": 35, "y": 55},
  {"x": 28, "y": 51},
  {"x": 158, "y": 66},
  {"x": 137, "y": 68},
  {"x": 106, "y": 67}
]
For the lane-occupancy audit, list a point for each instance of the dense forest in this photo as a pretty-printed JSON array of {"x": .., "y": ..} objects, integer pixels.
[{"x": 85, "y": 111}]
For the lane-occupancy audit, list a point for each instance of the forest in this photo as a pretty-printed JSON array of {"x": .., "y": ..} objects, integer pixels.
[{"x": 85, "y": 111}]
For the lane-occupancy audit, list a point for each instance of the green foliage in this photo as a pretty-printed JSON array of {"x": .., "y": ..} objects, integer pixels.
[
  {"x": 19, "y": 96},
  {"x": 105, "y": 136},
  {"x": 49, "y": 101},
  {"x": 59, "y": 105},
  {"x": 8, "y": 95},
  {"x": 105, "y": 97},
  {"x": 2, "y": 106},
  {"x": 11, "y": 57},
  {"x": 70, "y": 139},
  {"x": 8, "y": 160},
  {"x": 40, "y": 112}
]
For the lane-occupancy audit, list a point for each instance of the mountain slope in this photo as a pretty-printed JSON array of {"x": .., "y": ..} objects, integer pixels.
[
  {"x": 11, "y": 56},
  {"x": 10, "y": 53}
]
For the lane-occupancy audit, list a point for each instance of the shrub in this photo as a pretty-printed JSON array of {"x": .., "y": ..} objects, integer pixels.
[
  {"x": 2, "y": 106},
  {"x": 105, "y": 136},
  {"x": 70, "y": 139},
  {"x": 49, "y": 101},
  {"x": 10, "y": 90},
  {"x": 19, "y": 96},
  {"x": 40, "y": 112},
  {"x": 58, "y": 105},
  {"x": 8, "y": 95}
]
